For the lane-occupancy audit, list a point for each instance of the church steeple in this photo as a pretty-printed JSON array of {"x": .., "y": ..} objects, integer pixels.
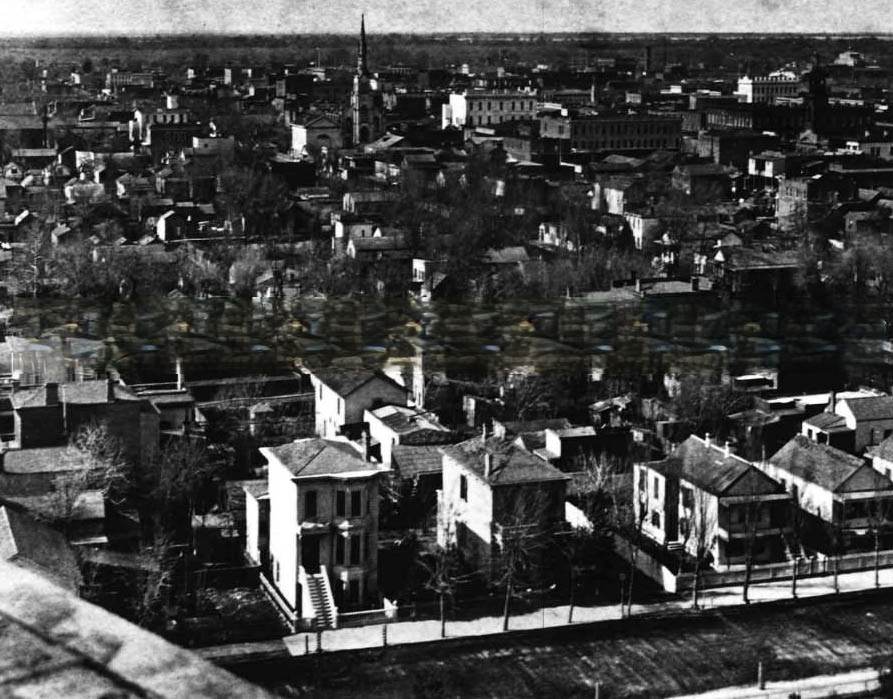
[{"x": 362, "y": 67}]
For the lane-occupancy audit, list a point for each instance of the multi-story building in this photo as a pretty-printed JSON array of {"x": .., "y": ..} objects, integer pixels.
[
  {"x": 613, "y": 131},
  {"x": 343, "y": 397},
  {"x": 768, "y": 88},
  {"x": 489, "y": 486},
  {"x": 488, "y": 108},
  {"x": 703, "y": 494},
  {"x": 323, "y": 535},
  {"x": 832, "y": 486},
  {"x": 391, "y": 425}
]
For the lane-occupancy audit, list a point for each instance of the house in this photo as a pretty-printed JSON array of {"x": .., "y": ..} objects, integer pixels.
[
  {"x": 323, "y": 545},
  {"x": 852, "y": 424},
  {"x": 315, "y": 132},
  {"x": 391, "y": 425},
  {"x": 46, "y": 416},
  {"x": 489, "y": 487},
  {"x": 29, "y": 543},
  {"x": 342, "y": 396},
  {"x": 831, "y": 485},
  {"x": 703, "y": 487}
]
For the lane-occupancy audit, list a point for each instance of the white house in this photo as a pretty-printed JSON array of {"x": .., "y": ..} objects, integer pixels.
[{"x": 342, "y": 397}]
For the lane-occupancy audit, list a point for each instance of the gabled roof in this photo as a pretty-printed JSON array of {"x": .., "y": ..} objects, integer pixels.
[
  {"x": 316, "y": 457},
  {"x": 410, "y": 460},
  {"x": 827, "y": 467},
  {"x": 509, "y": 464},
  {"x": 346, "y": 381},
  {"x": 870, "y": 408},
  {"x": 708, "y": 467}
]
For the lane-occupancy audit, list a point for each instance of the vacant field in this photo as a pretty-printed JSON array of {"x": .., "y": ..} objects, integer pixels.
[{"x": 637, "y": 658}]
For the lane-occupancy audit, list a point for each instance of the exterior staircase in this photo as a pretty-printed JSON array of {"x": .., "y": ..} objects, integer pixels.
[{"x": 324, "y": 611}]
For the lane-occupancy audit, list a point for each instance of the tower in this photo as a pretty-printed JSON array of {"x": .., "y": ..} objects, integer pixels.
[{"x": 365, "y": 100}]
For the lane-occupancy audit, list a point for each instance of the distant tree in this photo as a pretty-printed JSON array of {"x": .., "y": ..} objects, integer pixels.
[{"x": 87, "y": 65}]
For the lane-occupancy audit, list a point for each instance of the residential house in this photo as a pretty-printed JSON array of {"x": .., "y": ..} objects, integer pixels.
[
  {"x": 492, "y": 488},
  {"x": 703, "y": 491},
  {"x": 852, "y": 424},
  {"x": 831, "y": 485},
  {"x": 323, "y": 546},
  {"x": 391, "y": 425},
  {"x": 342, "y": 397}
]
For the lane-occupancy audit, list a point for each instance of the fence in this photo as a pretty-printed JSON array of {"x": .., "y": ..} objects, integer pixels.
[{"x": 806, "y": 568}]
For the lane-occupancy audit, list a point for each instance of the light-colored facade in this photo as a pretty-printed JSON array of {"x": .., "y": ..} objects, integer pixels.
[
  {"x": 323, "y": 519},
  {"x": 768, "y": 88},
  {"x": 487, "y": 108},
  {"x": 342, "y": 398}
]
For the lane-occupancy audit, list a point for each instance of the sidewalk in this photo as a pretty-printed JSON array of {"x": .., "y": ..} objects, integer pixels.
[
  {"x": 405, "y": 632},
  {"x": 856, "y": 683}
]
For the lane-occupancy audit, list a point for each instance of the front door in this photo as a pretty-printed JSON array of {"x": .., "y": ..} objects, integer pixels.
[{"x": 310, "y": 554}]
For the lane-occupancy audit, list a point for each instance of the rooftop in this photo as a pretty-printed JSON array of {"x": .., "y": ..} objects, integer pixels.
[
  {"x": 509, "y": 464},
  {"x": 313, "y": 457},
  {"x": 346, "y": 381},
  {"x": 716, "y": 471},
  {"x": 827, "y": 467}
]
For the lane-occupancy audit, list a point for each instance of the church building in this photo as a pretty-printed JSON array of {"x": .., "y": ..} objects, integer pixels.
[{"x": 366, "y": 99}]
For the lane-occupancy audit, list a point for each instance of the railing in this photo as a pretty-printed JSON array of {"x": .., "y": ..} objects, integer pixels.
[
  {"x": 281, "y": 603},
  {"x": 330, "y": 600}
]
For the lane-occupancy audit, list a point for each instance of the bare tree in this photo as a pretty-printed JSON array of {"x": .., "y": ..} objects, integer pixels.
[
  {"x": 522, "y": 537},
  {"x": 630, "y": 510},
  {"x": 878, "y": 511},
  {"x": 700, "y": 529},
  {"x": 444, "y": 574},
  {"x": 92, "y": 461}
]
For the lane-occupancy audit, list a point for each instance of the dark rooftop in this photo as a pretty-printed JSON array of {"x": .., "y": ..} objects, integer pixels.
[
  {"x": 319, "y": 457},
  {"x": 830, "y": 468},
  {"x": 509, "y": 464}
]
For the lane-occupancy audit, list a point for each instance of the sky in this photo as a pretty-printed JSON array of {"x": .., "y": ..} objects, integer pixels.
[{"x": 53, "y": 17}]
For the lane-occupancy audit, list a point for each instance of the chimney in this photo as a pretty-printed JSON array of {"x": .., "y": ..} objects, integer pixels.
[
  {"x": 832, "y": 402},
  {"x": 726, "y": 449},
  {"x": 110, "y": 393},
  {"x": 488, "y": 464},
  {"x": 367, "y": 446},
  {"x": 52, "y": 393},
  {"x": 179, "y": 370},
  {"x": 707, "y": 439}
]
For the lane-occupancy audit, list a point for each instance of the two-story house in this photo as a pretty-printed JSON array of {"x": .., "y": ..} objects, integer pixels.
[
  {"x": 323, "y": 536},
  {"x": 852, "y": 424},
  {"x": 342, "y": 396},
  {"x": 490, "y": 485},
  {"x": 831, "y": 485},
  {"x": 703, "y": 487}
]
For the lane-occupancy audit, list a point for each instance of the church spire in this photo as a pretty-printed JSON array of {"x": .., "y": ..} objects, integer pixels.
[{"x": 362, "y": 68}]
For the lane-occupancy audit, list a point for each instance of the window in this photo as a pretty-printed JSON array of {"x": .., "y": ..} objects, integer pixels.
[
  {"x": 365, "y": 547},
  {"x": 656, "y": 487},
  {"x": 463, "y": 488},
  {"x": 310, "y": 504},
  {"x": 655, "y": 519},
  {"x": 688, "y": 498},
  {"x": 356, "y": 503},
  {"x": 339, "y": 405},
  {"x": 339, "y": 550},
  {"x": 643, "y": 485},
  {"x": 354, "y": 549},
  {"x": 339, "y": 503}
]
